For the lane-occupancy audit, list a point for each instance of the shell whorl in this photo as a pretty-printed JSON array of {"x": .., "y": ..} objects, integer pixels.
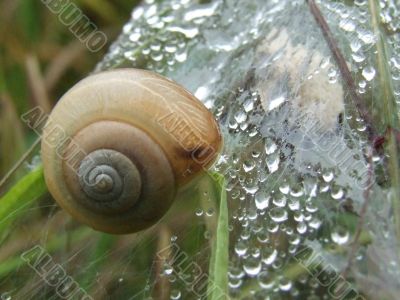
[{"x": 110, "y": 181}]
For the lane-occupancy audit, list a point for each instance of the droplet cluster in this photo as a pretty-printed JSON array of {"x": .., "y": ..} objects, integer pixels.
[
  {"x": 292, "y": 181},
  {"x": 364, "y": 41},
  {"x": 158, "y": 35}
]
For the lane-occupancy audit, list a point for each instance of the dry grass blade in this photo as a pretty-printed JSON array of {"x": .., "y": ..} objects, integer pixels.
[
  {"x": 60, "y": 64},
  {"x": 341, "y": 62},
  {"x": 37, "y": 84},
  {"x": 162, "y": 286}
]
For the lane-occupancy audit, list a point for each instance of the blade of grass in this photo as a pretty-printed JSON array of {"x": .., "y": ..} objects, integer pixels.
[
  {"x": 218, "y": 270},
  {"x": 20, "y": 196},
  {"x": 12, "y": 142},
  {"x": 389, "y": 111},
  {"x": 36, "y": 83}
]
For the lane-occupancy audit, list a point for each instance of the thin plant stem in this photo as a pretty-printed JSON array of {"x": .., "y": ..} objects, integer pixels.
[
  {"x": 391, "y": 136},
  {"x": 343, "y": 68}
]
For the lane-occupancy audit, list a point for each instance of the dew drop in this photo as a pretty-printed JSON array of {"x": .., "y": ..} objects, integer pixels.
[
  {"x": 181, "y": 56},
  {"x": 252, "y": 266},
  {"x": 269, "y": 255},
  {"x": 285, "y": 284},
  {"x": 265, "y": 280},
  {"x": 175, "y": 294},
  {"x": 278, "y": 214},
  {"x": 368, "y": 73},
  {"x": 340, "y": 236},
  {"x": 261, "y": 200},
  {"x": 240, "y": 116},
  {"x": 276, "y": 102},
  {"x": 347, "y": 25}
]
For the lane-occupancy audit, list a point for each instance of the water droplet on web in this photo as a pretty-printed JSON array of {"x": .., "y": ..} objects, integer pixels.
[
  {"x": 210, "y": 212},
  {"x": 5, "y": 296},
  {"x": 347, "y": 25},
  {"x": 240, "y": 117},
  {"x": 395, "y": 62},
  {"x": 248, "y": 105},
  {"x": 355, "y": 45},
  {"x": 262, "y": 200},
  {"x": 270, "y": 146},
  {"x": 294, "y": 204},
  {"x": 337, "y": 193},
  {"x": 269, "y": 255},
  {"x": 207, "y": 234},
  {"x": 134, "y": 37},
  {"x": 181, "y": 56},
  {"x": 368, "y": 73},
  {"x": 358, "y": 56},
  {"x": 168, "y": 269},
  {"x": 328, "y": 176},
  {"x": 360, "y": 2},
  {"x": 235, "y": 283},
  {"x": 273, "y": 162},
  {"x": 279, "y": 201},
  {"x": 301, "y": 228},
  {"x": 278, "y": 214},
  {"x": 252, "y": 266},
  {"x": 240, "y": 248},
  {"x": 285, "y": 284},
  {"x": 276, "y": 102},
  {"x": 366, "y": 36},
  {"x": 362, "y": 84},
  {"x": 315, "y": 223},
  {"x": 284, "y": 189},
  {"x": 187, "y": 32},
  {"x": 249, "y": 165},
  {"x": 175, "y": 294},
  {"x": 340, "y": 235},
  {"x": 265, "y": 280},
  {"x": 201, "y": 12}
]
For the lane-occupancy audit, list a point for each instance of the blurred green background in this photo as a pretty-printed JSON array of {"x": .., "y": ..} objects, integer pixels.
[{"x": 40, "y": 58}]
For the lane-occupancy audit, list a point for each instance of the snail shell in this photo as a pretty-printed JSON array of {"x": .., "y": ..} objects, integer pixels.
[{"x": 119, "y": 144}]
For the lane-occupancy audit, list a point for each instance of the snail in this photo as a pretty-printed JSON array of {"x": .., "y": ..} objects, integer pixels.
[{"x": 120, "y": 145}]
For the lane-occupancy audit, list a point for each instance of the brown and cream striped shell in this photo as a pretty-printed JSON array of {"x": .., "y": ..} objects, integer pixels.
[{"x": 119, "y": 144}]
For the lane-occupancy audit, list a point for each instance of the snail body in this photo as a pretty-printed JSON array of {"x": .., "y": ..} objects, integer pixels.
[{"x": 119, "y": 145}]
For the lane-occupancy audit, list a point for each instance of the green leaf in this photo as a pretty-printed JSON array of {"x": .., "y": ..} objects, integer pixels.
[
  {"x": 218, "y": 270},
  {"x": 20, "y": 197}
]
